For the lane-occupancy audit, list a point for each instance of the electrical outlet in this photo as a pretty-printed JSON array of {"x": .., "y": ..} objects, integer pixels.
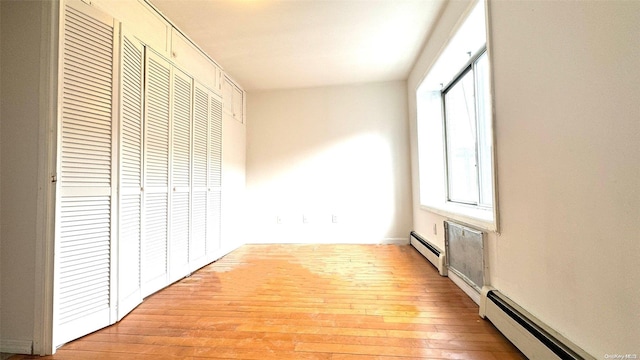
[
  {"x": 305, "y": 219},
  {"x": 278, "y": 219},
  {"x": 334, "y": 218}
]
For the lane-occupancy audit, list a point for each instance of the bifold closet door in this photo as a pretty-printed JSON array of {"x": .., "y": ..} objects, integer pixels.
[
  {"x": 83, "y": 300},
  {"x": 199, "y": 192},
  {"x": 180, "y": 221},
  {"x": 130, "y": 214},
  {"x": 214, "y": 197},
  {"x": 155, "y": 211}
]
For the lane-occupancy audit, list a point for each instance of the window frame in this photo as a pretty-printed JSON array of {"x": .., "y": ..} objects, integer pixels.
[{"x": 470, "y": 66}]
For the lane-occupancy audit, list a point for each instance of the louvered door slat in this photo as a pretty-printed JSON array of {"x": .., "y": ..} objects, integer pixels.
[
  {"x": 87, "y": 71},
  {"x": 181, "y": 122},
  {"x": 215, "y": 145},
  {"x": 84, "y": 255},
  {"x": 84, "y": 78},
  {"x": 85, "y": 125},
  {"x": 200, "y": 135},
  {"x": 179, "y": 235},
  {"x": 84, "y": 223},
  {"x": 92, "y": 55},
  {"x": 92, "y": 118},
  {"x": 157, "y": 124},
  {"x": 86, "y": 96},
  {"x": 199, "y": 229},
  {"x": 154, "y": 256},
  {"x": 130, "y": 210}
]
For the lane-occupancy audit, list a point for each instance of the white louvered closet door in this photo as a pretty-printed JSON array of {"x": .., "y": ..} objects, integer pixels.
[
  {"x": 180, "y": 175},
  {"x": 83, "y": 280},
  {"x": 214, "y": 201},
  {"x": 130, "y": 214},
  {"x": 155, "y": 211},
  {"x": 199, "y": 189}
]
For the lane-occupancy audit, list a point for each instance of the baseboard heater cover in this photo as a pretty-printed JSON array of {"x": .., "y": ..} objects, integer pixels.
[
  {"x": 528, "y": 334},
  {"x": 429, "y": 251}
]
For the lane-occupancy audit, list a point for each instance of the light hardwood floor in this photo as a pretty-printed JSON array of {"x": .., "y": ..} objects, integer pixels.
[{"x": 333, "y": 302}]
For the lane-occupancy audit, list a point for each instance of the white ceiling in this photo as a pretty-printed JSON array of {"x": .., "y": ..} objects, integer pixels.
[{"x": 275, "y": 44}]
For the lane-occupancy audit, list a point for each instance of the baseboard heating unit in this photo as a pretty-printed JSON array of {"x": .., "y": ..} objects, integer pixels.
[
  {"x": 429, "y": 251},
  {"x": 528, "y": 334}
]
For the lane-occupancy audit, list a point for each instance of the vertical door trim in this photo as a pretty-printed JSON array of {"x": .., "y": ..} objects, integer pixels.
[{"x": 46, "y": 196}]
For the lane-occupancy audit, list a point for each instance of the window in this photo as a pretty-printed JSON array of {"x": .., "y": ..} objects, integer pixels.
[
  {"x": 454, "y": 123},
  {"x": 467, "y": 128}
]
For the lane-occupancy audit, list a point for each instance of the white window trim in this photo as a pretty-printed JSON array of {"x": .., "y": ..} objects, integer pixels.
[{"x": 485, "y": 218}]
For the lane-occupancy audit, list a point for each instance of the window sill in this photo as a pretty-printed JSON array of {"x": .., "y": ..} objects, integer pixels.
[{"x": 480, "y": 218}]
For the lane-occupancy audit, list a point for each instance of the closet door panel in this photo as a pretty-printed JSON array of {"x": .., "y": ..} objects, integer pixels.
[
  {"x": 180, "y": 175},
  {"x": 155, "y": 220},
  {"x": 130, "y": 214},
  {"x": 83, "y": 280},
  {"x": 200, "y": 185},
  {"x": 214, "y": 198}
]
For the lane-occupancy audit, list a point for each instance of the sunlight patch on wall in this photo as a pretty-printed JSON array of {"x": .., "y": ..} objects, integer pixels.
[{"x": 341, "y": 193}]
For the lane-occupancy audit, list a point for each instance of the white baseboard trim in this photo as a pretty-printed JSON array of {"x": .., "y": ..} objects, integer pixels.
[
  {"x": 468, "y": 289},
  {"x": 533, "y": 337},
  {"x": 16, "y": 346},
  {"x": 438, "y": 261}
]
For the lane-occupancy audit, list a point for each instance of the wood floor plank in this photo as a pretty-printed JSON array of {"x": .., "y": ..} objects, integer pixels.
[{"x": 316, "y": 302}]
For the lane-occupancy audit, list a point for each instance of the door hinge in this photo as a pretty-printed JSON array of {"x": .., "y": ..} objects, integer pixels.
[{"x": 54, "y": 178}]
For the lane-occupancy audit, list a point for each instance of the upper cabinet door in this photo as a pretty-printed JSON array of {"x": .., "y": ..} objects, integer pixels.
[
  {"x": 227, "y": 96},
  {"x": 233, "y": 100},
  {"x": 141, "y": 20},
  {"x": 238, "y": 104},
  {"x": 83, "y": 294},
  {"x": 187, "y": 56}
]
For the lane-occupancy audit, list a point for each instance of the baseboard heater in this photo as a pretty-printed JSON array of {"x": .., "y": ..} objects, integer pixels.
[
  {"x": 429, "y": 251},
  {"x": 528, "y": 334}
]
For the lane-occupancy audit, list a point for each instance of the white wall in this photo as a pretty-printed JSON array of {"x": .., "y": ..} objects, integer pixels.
[
  {"x": 568, "y": 161},
  {"x": 234, "y": 137},
  {"x": 19, "y": 111},
  {"x": 327, "y": 151}
]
